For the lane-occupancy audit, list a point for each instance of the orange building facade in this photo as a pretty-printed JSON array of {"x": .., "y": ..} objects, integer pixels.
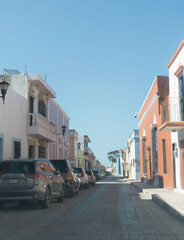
[{"x": 155, "y": 146}]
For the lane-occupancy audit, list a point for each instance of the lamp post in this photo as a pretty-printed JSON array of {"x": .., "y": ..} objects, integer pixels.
[
  {"x": 3, "y": 87},
  {"x": 63, "y": 131}
]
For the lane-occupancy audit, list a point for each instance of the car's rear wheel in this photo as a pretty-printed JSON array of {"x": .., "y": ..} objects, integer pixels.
[
  {"x": 47, "y": 201},
  {"x": 62, "y": 197}
]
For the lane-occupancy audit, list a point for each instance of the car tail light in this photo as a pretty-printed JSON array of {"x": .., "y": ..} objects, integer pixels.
[
  {"x": 34, "y": 175},
  {"x": 68, "y": 176}
]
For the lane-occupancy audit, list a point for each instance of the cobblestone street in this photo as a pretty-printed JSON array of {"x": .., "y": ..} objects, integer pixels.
[{"x": 113, "y": 209}]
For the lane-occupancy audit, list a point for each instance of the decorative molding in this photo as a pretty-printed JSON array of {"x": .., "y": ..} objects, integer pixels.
[{"x": 179, "y": 70}]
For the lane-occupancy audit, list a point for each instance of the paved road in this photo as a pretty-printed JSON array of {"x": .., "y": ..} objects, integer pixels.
[{"x": 112, "y": 210}]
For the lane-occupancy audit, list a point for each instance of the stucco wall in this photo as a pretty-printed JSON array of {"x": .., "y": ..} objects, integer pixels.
[
  {"x": 13, "y": 119},
  {"x": 147, "y": 120}
]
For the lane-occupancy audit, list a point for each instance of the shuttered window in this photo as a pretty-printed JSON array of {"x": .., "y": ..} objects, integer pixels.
[{"x": 164, "y": 156}]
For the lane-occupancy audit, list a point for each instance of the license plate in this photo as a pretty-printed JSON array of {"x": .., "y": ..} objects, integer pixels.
[{"x": 13, "y": 181}]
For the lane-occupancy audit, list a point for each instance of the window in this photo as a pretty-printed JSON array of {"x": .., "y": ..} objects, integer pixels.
[
  {"x": 41, "y": 152},
  {"x": 17, "y": 149},
  {"x": 1, "y": 146},
  {"x": 42, "y": 109},
  {"x": 31, "y": 104},
  {"x": 181, "y": 97},
  {"x": 164, "y": 156},
  {"x": 154, "y": 150},
  {"x": 144, "y": 156}
]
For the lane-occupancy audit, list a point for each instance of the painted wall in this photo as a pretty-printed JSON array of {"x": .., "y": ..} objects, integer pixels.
[
  {"x": 135, "y": 155},
  {"x": 118, "y": 167},
  {"x": 13, "y": 123},
  {"x": 60, "y": 149},
  {"x": 151, "y": 113},
  {"x": 176, "y": 137}
]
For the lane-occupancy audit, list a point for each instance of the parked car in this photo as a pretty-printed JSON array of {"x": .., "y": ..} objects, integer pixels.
[
  {"x": 97, "y": 174},
  {"x": 82, "y": 175},
  {"x": 30, "y": 180},
  {"x": 72, "y": 184},
  {"x": 108, "y": 173},
  {"x": 92, "y": 179}
]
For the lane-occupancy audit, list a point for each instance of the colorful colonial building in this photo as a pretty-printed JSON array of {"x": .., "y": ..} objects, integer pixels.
[{"x": 155, "y": 146}]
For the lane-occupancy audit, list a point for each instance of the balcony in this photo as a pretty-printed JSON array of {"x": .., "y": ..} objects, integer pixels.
[
  {"x": 40, "y": 127},
  {"x": 41, "y": 84},
  {"x": 172, "y": 115}
]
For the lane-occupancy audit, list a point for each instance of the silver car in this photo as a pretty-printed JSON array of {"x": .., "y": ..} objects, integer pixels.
[{"x": 30, "y": 180}]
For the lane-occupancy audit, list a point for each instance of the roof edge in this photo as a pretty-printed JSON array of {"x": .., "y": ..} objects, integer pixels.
[{"x": 176, "y": 54}]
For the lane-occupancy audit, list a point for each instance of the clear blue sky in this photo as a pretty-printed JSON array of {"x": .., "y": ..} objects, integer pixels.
[{"x": 100, "y": 57}]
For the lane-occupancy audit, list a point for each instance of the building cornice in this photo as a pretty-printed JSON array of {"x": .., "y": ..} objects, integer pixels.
[{"x": 155, "y": 97}]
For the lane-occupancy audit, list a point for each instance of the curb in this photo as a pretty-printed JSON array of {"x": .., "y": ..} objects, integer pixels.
[
  {"x": 171, "y": 209},
  {"x": 157, "y": 199},
  {"x": 137, "y": 187}
]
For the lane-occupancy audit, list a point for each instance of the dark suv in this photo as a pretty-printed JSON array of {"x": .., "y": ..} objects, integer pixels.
[
  {"x": 70, "y": 178},
  {"x": 30, "y": 180}
]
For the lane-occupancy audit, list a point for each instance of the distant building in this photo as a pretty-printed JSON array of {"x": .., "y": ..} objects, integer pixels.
[
  {"x": 73, "y": 146},
  {"x": 60, "y": 148},
  {"x": 135, "y": 155},
  {"x": 85, "y": 155}
]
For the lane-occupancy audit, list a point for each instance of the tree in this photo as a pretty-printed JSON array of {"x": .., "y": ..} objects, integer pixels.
[{"x": 112, "y": 156}]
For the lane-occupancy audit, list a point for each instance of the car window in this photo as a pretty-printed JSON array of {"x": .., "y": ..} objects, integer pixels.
[
  {"x": 52, "y": 168},
  {"x": 44, "y": 167},
  {"x": 60, "y": 165},
  {"x": 70, "y": 166},
  {"x": 77, "y": 170},
  {"x": 16, "y": 167},
  {"x": 88, "y": 172}
]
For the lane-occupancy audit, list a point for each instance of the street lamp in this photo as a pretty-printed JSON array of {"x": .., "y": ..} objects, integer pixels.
[
  {"x": 63, "y": 131},
  {"x": 3, "y": 87}
]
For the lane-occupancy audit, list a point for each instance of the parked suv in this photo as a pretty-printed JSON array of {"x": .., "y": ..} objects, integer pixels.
[
  {"x": 30, "y": 180},
  {"x": 72, "y": 183},
  {"x": 97, "y": 174},
  {"x": 82, "y": 175},
  {"x": 92, "y": 179}
]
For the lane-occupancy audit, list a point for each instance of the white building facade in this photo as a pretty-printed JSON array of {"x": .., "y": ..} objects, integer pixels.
[
  {"x": 25, "y": 129},
  {"x": 173, "y": 120},
  {"x": 135, "y": 155}
]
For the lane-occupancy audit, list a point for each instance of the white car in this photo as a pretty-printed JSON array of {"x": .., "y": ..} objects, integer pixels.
[{"x": 83, "y": 176}]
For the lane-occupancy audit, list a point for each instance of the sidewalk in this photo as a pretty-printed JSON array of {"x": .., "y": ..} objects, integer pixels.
[{"x": 172, "y": 201}]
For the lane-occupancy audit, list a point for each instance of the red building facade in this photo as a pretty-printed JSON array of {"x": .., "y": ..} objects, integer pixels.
[{"x": 155, "y": 146}]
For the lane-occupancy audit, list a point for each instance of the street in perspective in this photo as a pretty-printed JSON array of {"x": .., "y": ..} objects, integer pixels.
[
  {"x": 113, "y": 209},
  {"x": 92, "y": 120}
]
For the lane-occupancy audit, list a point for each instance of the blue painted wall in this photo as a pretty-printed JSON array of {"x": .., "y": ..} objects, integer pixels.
[{"x": 118, "y": 167}]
